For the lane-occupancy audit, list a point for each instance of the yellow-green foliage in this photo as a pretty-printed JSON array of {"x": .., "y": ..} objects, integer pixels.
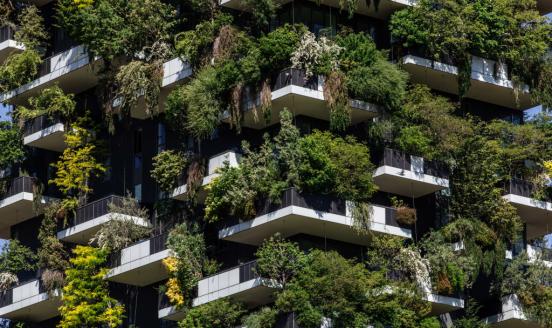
[
  {"x": 77, "y": 165},
  {"x": 86, "y": 301}
]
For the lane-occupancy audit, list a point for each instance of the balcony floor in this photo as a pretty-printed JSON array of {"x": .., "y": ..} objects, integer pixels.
[
  {"x": 51, "y": 138},
  {"x": 35, "y": 308},
  {"x": 82, "y": 233},
  {"x": 537, "y": 214},
  {"x": 407, "y": 183},
  {"x": 294, "y": 220},
  {"x": 443, "y": 304},
  {"x": 141, "y": 272}
]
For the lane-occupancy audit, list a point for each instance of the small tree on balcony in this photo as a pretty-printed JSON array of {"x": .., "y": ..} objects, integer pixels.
[
  {"x": 11, "y": 147},
  {"x": 85, "y": 299},
  {"x": 14, "y": 259}
]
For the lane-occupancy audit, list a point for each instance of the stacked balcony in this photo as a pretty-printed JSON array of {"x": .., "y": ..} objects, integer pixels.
[
  {"x": 215, "y": 163},
  {"x": 71, "y": 70},
  {"x": 512, "y": 315},
  {"x": 29, "y": 302},
  {"x": 140, "y": 264},
  {"x": 17, "y": 203},
  {"x": 89, "y": 218},
  {"x": 45, "y": 132},
  {"x": 537, "y": 214},
  {"x": 292, "y": 90},
  {"x": 8, "y": 45},
  {"x": 239, "y": 283},
  {"x": 175, "y": 71},
  {"x": 489, "y": 80},
  {"x": 317, "y": 215},
  {"x": 409, "y": 176}
]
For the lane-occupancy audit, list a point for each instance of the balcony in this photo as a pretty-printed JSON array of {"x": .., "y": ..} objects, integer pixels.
[
  {"x": 239, "y": 283},
  {"x": 71, "y": 70},
  {"x": 89, "y": 219},
  {"x": 540, "y": 253},
  {"x": 384, "y": 10},
  {"x": 174, "y": 71},
  {"x": 45, "y": 132},
  {"x": 29, "y": 302},
  {"x": 17, "y": 204},
  {"x": 537, "y": 214},
  {"x": 317, "y": 215},
  {"x": 408, "y": 175},
  {"x": 302, "y": 96},
  {"x": 489, "y": 80},
  {"x": 140, "y": 264},
  {"x": 215, "y": 162},
  {"x": 512, "y": 315},
  {"x": 441, "y": 304},
  {"x": 7, "y": 43}
]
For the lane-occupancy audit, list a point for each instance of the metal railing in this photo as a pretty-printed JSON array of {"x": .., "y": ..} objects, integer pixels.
[
  {"x": 93, "y": 210},
  {"x": 6, "y": 33},
  {"x": 297, "y": 77},
  {"x": 19, "y": 185},
  {"x": 522, "y": 188},
  {"x": 6, "y": 297},
  {"x": 39, "y": 123},
  {"x": 403, "y": 161}
]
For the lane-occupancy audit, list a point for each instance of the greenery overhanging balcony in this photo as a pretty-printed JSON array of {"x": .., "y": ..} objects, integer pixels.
[
  {"x": 17, "y": 203},
  {"x": 89, "y": 218},
  {"x": 511, "y": 315},
  {"x": 292, "y": 90},
  {"x": 8, "y": 45},
  {"x": 536, "y": 213},
  {"x": 45, "y": 132},
  {"x": 140, "y": 264},
  {"x": 29, "y": 301},
  {"x": 215, "y": 162},
  {"x": 317, "y": 215},
  {"x": 410, "y": 176}
]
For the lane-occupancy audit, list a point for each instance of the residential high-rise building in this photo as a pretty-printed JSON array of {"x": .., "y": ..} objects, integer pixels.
[{"x": 270, "y": 163}]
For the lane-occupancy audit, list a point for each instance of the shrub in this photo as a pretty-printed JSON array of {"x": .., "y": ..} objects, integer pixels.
[
  {"x": 136, "y": 80},
  {"x": 31, "y": 30},
  {"x": 263, "y": 10},
  {"x": 222, "y": 313},
  {"x": 16, "y": 257},
  {"x": 316, "y": 56},
  {"x": 278, "y": 46},
  {"x": 265, "y": 317},
  {"x": 51, "y": 101},
  {"x": 18, "y": 69},
  {"x": 404, "y": 214},
  {"x": 279, "y": 260},
  {"x": 53, "y": 280},
  {"x": 11, "y": 146},
  {"x": 168, "y": 165}
]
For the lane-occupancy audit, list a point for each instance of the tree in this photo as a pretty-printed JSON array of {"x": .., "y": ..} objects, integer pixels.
[
  {"x": 221, "y": 313},
  {"x": 14, "y": 259},
  {"x": 11, "y": 147},
  {"x": 77, "y": 165},
  {"x": 279, "y": 260},
  {"x": 85, "y": 299},
  {"x": 168, "y": 165}
]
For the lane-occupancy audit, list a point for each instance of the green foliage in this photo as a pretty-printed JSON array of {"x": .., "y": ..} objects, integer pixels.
[
  {"x": 167, "y": 167},
  {"x": 456, "y": 29},
  {"x": 348, "y": 294},
  {"x": 51, "y": 101},
  {"x": 138, "y": 80},
  {"x": 113, "y": 28},
  {"x": 85, "y": 298},
  {"x": 278, "y": 46},
  {"x": 11, "y": 147},
  {"x": 18, "y": 69},
  {"x": 369, "y": 76},
  {"x": 16, "y": 257},
  {"x": 265, "y": 317},
  {"x": 52, "y": 254},
  {"x": 279, "y": 260},
  {"x": 31, "y": 30},
  {"x": 221, "y": 313},
  {"x": 77, "y": 165},
  {"x": 263, "y": 10},
  {"x": 188, "y": 247}
]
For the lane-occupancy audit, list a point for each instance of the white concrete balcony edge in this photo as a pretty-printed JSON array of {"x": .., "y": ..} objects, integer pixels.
[
  {"x": 294, "y": 213},
  {"x": 535, "y": 213},
  {"x": 8, "y": 47},
  {"x": 419, "y": 182},
  {"x": 30, "y": 304},
  {"x": 535, "y": 254},
  {"x": 95, "y": 223},
  {"x": 512, "y": 314},
  {"x": 527, "y": 201},
  {"x": 37, "y": 139}
]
